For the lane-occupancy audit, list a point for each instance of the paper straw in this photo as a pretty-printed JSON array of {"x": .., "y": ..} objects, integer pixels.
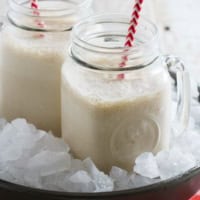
[
  {"x": 130, "y": 38},
  {"x": 35, "y": 7}
]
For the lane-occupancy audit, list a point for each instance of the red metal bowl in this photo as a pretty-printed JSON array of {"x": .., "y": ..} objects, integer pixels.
[{"x": 178, "y": 188}]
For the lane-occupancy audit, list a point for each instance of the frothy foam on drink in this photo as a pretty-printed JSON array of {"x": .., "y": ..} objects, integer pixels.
[{"x": 103, "y": 88}]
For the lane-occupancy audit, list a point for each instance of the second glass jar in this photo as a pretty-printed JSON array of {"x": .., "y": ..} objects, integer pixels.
[{"x": 33, "y": 48}]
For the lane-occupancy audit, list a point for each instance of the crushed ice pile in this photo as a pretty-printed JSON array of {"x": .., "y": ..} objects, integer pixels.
[{"x": 35, "y": 158}]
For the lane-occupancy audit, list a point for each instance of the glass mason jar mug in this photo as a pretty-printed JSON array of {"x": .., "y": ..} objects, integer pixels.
[
  {"x": 33, "y": 47},
  {"x": 113, "y": 119}
]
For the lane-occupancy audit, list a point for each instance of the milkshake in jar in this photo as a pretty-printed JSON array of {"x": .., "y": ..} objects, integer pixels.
[
  {"x": 108, "y": 118},
  {"x": 33, "y": 48}
]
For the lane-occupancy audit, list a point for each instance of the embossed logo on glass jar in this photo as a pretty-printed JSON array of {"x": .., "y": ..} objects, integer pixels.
[{"x": 140, "y": 135}]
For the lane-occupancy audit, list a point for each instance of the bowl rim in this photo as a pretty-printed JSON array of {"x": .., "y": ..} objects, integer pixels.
[{"x": 165, "y": 184}]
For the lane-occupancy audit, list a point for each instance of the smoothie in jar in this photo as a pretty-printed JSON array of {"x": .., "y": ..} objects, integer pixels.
[
  {"x": 33, "y": 51},
  {"x": 114, "y": 121},
  {"x": 109, "y": 119},
  {"x": 31, "y": 80}
]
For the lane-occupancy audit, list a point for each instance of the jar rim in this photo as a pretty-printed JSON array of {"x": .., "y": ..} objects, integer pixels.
[
  {"x": 103, "y": 37},
  {"x": 67, "y": 12},
  {"x": 112, "y": 18},
  {"x": 94, "y": 67},
  {"x": 14, "y": 4}
]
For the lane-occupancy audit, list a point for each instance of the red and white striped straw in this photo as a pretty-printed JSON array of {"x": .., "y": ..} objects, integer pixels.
[
  {"x": 35, "y": 7},
  {"x": 130, "y": 38}
]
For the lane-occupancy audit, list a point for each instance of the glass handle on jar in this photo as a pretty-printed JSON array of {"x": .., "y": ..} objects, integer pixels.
[{"x": 181, "y": 75}]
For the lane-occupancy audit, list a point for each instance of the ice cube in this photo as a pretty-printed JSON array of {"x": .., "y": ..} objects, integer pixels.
[
  {"x": 3, "y": 123},
  {"x": 16, "y": 138},
  {"x": 55, "y": 182},
  {"x": 10, "y": 149},
  {"x": 117, "y": 173},
  {"x": 137, "y": 181},
  {"x": 46, "y": 163},
  {"x": 16, "y": 173},
  {"x": 90, "y": 167},
  {"x": 16, "y": 147},
  {"x": 103, "y": 183},
  {"x": 174, "y": 162},
  {"x": 21, "y": 125},
  {"x": 146, "y": 165},
  {"x": 80, "y": 177},
  {"x": 11, "y": 154},
  {"x": 7, "y": 136},
  {"x": 9, "y": 178},
  {"x": 120, "y": 178},
  {"x": 54, "y": 144},
  {"x": 83, "y": 181},
  {"x": 190, "y": 143},
  {"x": 32, "y": 179},
  {"x": 6, "y": 176},
  {"x": 79, "y": 182},
  {"x": 42, "y": 141}
]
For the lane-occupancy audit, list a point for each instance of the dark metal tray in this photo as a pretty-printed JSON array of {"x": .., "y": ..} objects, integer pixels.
[{"x": 178, "y": 188}]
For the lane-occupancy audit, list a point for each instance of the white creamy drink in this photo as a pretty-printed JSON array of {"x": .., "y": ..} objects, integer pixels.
[
  {"x": 34, "y": 45},
  {"x": 112, "y": 113},
  {"x": 113, "y": 121},
  {"x": 30, "y": 80}
]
